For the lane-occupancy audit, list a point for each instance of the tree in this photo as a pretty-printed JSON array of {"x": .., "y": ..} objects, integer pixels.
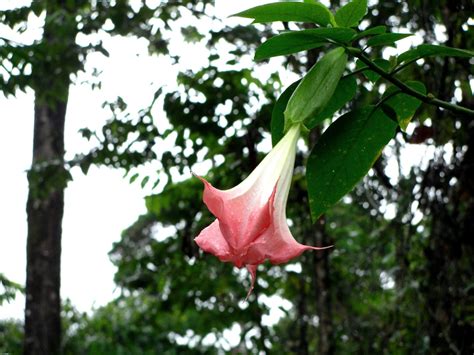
[{"x": 47, "y": 66}]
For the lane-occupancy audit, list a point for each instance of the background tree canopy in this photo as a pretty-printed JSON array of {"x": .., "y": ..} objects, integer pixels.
[{"x": 400, "y": 276}]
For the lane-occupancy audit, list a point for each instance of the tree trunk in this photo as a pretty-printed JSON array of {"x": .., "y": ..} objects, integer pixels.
[
  {"x": 47, "y": 180},
  {"x": 45, "y": 213}
]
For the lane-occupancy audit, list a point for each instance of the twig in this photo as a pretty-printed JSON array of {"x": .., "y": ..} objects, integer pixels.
[{"x": 428, "y": 99}]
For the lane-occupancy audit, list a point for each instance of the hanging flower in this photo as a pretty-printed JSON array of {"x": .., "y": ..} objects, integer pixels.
[{"x": 250, "y": 225}]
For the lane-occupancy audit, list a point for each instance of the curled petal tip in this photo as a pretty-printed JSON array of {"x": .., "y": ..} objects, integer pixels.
[
  {"x": 322, "y": 248},
  {"x": 248, "y": 294},
  {"x": 253, "y": 273},
  {"x": 197, "y": 176}
]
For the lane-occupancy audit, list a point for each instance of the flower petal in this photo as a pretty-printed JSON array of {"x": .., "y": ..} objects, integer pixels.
[
  {"x": 242, "y": 218},
  {"x": 279, "y": 246},
  {"x": 212, "y": 241}
]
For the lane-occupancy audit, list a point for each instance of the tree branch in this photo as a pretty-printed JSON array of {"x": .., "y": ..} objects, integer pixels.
[{"x": 428, "y": 99}]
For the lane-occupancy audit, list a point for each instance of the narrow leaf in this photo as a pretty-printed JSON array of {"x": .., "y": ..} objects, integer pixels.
[
  {"x": 278, "y": 117},
  {"x": 285, "y": 44},
  {"x": 144, "y": 181},
  {"x": 317, "y": 87},
  {"x": 386, "y": 39},
  {"x": 344, "y": 154},
  {"x": 405, "y": 105},
  {"x": 289, "y": 11},
  {"x": 351, "y": 14},
  {"x": 370, "y": 32},
  {"x": 429, "y": 50},
  {"x": 296, "y": 41},
  {"x": 133, "y": 178},
  {"x": 345, "y": 91}
]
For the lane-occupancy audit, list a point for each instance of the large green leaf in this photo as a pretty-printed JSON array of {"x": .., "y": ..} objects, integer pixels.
[
  {"x": 405, "y": 105},
  {"x": 317, "y": 87},
  {"x": 386, "y": 39},
  {"x": 289, "y": 11},
  {"x": 344, "y": 154},
  {"x": 428, "y": 50},
  {"x": 278, "y": 117},
  {"x": 296, "y": 41},
  {"x": 345, "y": 91},
  {"x": 351, "y": 14}
]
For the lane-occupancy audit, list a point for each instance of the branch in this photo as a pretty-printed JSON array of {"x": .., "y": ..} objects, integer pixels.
[
  {"x": 403, "y": 66},
  {"x": 428, "y": 99}
]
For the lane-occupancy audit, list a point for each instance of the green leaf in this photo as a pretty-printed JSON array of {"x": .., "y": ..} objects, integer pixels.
[
  {"x": 144, "y": 181},
  {"x": 371, "y": 75},
  {"x": 345, "y": 91},
  {"x": 278, "y": 118},
  {"x": 317, "y": 87},
  {"x": 429, "y": 50},
  {"x": 386, "y": 39},
  {"x": 404, "y": 105},
  {"x": 344, "y": 154},
  {"x": 296, "y": 41},
  {"x": 285, "y": 44},
  {"x": 133, "y": 178},
  {"x": 289, "y": 11},
  {"x": 351, "y": 14},
  {"x": 370, "y": 32}
]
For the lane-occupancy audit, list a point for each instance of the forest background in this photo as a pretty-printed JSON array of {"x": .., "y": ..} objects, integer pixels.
[{"x": 400, "y": 276}]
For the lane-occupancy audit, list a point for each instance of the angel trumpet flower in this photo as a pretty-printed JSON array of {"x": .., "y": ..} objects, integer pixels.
[{"x": 250, "y": 225}]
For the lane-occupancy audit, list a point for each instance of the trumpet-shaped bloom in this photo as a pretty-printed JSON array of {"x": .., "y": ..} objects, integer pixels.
[{"x": 250, "y": 225}]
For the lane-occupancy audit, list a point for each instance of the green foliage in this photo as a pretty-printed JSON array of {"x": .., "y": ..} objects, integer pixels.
[
  {"x": 46, "y": 178},
  {"x": 344, "y": 154},
  {"x": 175, "y": 201},
  {"x": 11, "y": 336},
  {"x": 289, "y": 11},
  {"x": 372, "y": 31},
  {"x": 370, "y": 74},
  {"x": 297, "y": 41},
  {"x": 345, "y": 91},
  {"x": 8, "y": 289},
  {"x": 115, "y": 145},
  {"x": 320, "y": 94},
  {"x": 386, "y": 39},
  {"x": 350, "y": 14},
  {"x": 316, "y": 89},
  {"x": 404, "y": 105},
  {"x": 429, "y": 50}
]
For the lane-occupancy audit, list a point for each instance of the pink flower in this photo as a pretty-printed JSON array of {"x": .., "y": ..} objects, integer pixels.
[{"x": 250, "y": 225}]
